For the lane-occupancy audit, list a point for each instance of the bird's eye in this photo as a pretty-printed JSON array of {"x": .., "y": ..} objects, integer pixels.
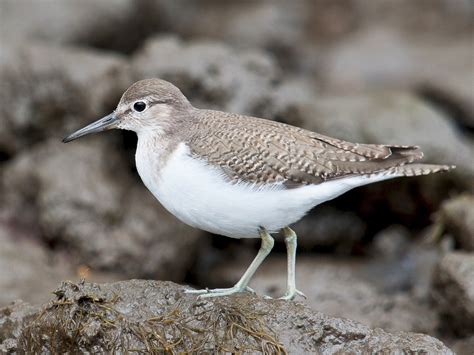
[{"x": 139, "y": 106}]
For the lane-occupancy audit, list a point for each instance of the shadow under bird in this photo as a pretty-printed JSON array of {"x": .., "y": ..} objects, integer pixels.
[{"x": 244, "y": 177}]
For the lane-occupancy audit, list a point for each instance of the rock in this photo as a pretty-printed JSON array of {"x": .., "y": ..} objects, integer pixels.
[
  {"x": 284, "y": 101},
  {"x": 401, "y": 263},
  {"x": 340, "y": 288},
  {"x": 210, "y": 74},
  {"x": 297, "y": 32},
  {"x": 119, "y": 25},
  {"x": 12, "y": 322},
  {"x": 157, "y": 316},
  {"x": 453, "y": 292},
  {"x": 391, "y": 243},
  {"x": 463, "y": 346},
  {"x": 27, "y": 271},
  {"x": 327, "y": 226},
  {"x": 379, "y": 58},
  {"x": 457, "y": 218},
  {"x": 366, "y": 58},
  {"x": 83, "y": 200},
  {"x": 278, "y": 27},
  {"x": 445, "y": 75},
  {"x": 57, "y": 21},
  {"x": 48, "y": 90}
]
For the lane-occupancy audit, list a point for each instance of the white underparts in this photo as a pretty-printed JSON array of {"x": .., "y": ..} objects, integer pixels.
[{"x": 200, "y": 196}]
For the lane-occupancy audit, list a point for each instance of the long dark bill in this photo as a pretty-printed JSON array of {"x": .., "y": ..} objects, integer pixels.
[{"x": 103, "y": 124}]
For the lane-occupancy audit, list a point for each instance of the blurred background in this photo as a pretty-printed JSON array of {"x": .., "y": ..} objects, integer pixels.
[{"x": 397, "y": 255}]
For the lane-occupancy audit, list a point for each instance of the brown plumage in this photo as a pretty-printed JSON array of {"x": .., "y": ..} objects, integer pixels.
[{"x": 261, "y": 151}]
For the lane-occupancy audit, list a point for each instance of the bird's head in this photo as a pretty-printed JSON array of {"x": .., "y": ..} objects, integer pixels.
[{"x": 147, "y": 105}]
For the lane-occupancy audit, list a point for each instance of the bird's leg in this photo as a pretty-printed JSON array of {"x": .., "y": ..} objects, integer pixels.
[
  {"x": 290, "y": 241},
  {"x": 242, "y": 284}
]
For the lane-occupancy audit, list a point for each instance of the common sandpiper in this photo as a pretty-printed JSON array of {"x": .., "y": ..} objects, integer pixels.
[{"x": 240, "y": 176}]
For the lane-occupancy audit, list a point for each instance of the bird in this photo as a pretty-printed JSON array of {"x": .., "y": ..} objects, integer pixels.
[{"x": 240, "y": 176}]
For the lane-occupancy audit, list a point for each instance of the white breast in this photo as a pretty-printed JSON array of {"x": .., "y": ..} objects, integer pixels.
[{"x": 199, "y": 195}]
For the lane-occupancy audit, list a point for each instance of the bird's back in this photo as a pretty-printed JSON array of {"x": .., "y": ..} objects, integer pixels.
[{"x": 261, "y": 151}]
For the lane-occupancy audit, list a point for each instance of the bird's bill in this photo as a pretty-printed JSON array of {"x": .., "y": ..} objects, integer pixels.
[{"x": 103, "y": 124}]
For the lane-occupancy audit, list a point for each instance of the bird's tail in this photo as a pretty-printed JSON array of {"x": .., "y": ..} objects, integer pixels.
[{"x": 420, "y": 169}]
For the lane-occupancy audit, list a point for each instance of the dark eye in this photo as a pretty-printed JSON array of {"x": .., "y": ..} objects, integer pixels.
[{"x": 139, "y": 106}]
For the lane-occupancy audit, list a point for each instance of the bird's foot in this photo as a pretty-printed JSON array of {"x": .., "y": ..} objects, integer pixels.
[
  {"x": 289, "y": 295},
  {"x": 217, "y": 292}
]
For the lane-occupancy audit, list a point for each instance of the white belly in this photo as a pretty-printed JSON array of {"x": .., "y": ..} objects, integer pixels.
[{"x": 200, "y": 196}]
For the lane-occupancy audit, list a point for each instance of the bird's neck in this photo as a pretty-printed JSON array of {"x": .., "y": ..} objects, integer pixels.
[{"x": 156, "y": 143}]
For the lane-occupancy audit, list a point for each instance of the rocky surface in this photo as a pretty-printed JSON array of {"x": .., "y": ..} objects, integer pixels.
[
  {"x": 211, "y": 74},
  {"x": 29, "y": 271},
  {"x": 42, "y": 98},
  {"x": 345, "y": 287},
  {"x": 103, "y": 24},
  {"x": 456, "y": 217},
  {"x": 156, "y": 316},
  {"x": 453, "y": 292},
  {"x": 388, "y": 71},
  {"x": 12, "y": 319},
  {"x": 25, "y": 262},
  {"x": 463, "y": 346},
  {"x": 82, "y": 199},
  {"x": 378, "y": 57},
  {"x": 329, "y": 227}
]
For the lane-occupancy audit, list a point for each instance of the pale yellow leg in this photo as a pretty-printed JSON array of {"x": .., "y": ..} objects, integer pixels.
[
  {"x": 242, "y": 284},
  {"x": 290, "y": 241}
]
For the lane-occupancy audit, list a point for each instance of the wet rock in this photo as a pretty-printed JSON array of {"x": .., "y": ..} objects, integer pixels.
[
  {"x": 297, "y": 32},
  {"x": 120, "y": 25},
  {"x": 391, "y": 242},
  {"x": 55, "y": 20},
  {"x": 327, "y": 226},
  {"x": 462, "y": 346},
  {"x": 377, "y": 57},
  {"x": 210, "y": 74},
  {"x": 445, "y": 75},
  {"x": 435, "y": 16},
  {"x": 350, "y": 288},
  {"x": 84, "y": 200},
  {"x": 457, "y": 218},
  {"x": 278, "y": 27},
  {"x": 453, "y": 292},
  {"x": 47, "y": 90},
  {"x": 284, "y": 101},
  {"x": 157, "y": 316},
  {"x": 365, "y": 59},
  {"x": 12, "y": 322},
  {"x": 392, "y": 266},
  {"x": 27, "y": 271},
  {"x": 401, "y": 263}
]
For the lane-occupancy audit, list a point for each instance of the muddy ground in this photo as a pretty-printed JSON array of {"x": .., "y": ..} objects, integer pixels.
[{"x": 380, "y": 265}]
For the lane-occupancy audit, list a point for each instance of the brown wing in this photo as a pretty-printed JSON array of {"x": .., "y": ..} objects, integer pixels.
[{"x": 261, "y": 151}]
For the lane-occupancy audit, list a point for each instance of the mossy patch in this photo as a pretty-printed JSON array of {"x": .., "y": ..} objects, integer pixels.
[{"x": 90, "y": 322}]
